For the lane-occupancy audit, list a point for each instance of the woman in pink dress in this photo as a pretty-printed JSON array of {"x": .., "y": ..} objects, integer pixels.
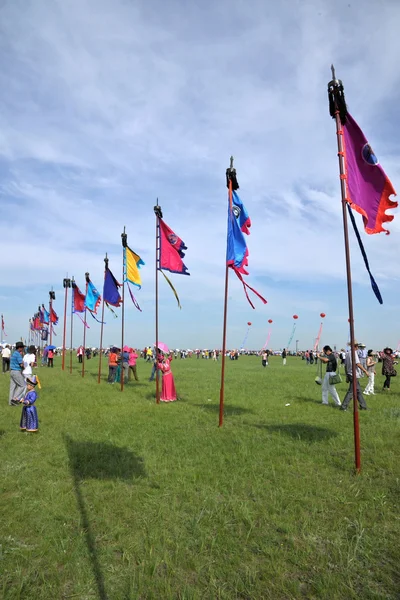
[{"x": 168, "y": 392}]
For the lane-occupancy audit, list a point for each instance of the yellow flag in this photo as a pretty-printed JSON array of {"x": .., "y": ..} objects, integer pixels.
[{"x": 133, "y": 262}]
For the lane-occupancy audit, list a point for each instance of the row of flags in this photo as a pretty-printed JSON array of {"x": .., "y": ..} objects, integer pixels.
[
  {"x": 44, "y": 320},
  {"x": 368, "y": 191}
]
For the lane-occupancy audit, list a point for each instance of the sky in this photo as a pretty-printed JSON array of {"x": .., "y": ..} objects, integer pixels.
[{"x": 107, "y": 105}]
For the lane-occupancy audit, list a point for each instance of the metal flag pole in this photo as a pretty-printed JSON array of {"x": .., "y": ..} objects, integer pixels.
[
  {"x": 232, "y": 184},
  {"x": 87, "y": 277},
  {"x": 158, "y": 213},
  {"x": 73, "y": 285},
  {"x": 338, "y": 111},
  {"x": 124, "y": 240},
  {"x": 102, "y": 319},
  {"x": 66, "y": 285},
  {"x": 52, "y": 296}
]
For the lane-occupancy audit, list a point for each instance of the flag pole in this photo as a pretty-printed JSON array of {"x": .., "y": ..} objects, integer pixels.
[
  {"x": 84, "y": 327},
  {"x": 124, "y": 240},
  {"x": 230, "y": 179},
  {"x": 66, "y": 285},
  {"x": 73, "y": 285},
  {"x": 338, "y": 111},
  {"x": 102, "y": 320},
  {"x": 50, "y": 311},
  {"x": 158, "y": 214}
]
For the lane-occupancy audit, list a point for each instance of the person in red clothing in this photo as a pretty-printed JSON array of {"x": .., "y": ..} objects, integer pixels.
[
  {"x": 132, "y": 364},
  {"x": 50, "y": 357},
  {"x": 112, "y": 365}
]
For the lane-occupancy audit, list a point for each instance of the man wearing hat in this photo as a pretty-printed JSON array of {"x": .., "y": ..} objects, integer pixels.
[
  {"x": 351, "y": 355},
  {"x": 17, "y": 381}
]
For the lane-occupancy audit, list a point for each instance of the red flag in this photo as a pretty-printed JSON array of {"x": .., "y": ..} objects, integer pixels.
[
  {"x": 171, "y": 250},
  {"x": 78, "y": 300},
  {"x": 53, "y": 316}
]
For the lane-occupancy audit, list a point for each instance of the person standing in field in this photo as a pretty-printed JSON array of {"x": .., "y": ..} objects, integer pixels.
[
  {"x": 29, "y": 418},
  {"x": 17, "y": 381},
  {"x": 168, "y": 392},
  {"x": 284, "y": 354},
  {"x": 29, "y": 360},
  {"x": 388, "y": 369},
  {"x": 370, "y": 364},
  {"x": 50, "y": 358},
  {"x": 331, "y": 368},
  {"x": 132, "y": 364},
  {"x": 5, "y": 355},
  {"x": 351, "y": 355},
  {"x": 112, "y": 365}
]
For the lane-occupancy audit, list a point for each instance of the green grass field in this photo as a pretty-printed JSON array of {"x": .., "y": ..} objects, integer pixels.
[{"x": 118, "y": 498}]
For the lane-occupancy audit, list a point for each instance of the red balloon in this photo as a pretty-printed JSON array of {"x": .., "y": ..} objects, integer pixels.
[
  {"x": 269, "y": 320},
  {"x": 248, "y": 323},
  {"x": 322, "y": 315},
  {"x": 295, "y": 317}
]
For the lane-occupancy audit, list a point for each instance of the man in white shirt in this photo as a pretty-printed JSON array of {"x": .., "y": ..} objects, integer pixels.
[
  {"x": 5, "y": 355},
  {"x": 29, "y": 360},
  {"x": 349, "y": 376}
]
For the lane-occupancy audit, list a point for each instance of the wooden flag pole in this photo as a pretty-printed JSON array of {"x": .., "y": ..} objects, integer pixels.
[
  {"x": 338, "y": 111},
  {"x": 158, "y": 213},
  {"x": 66, "y": 285},
  {"x": 102, "y": 320},
  {"x": 73, "y": 285},
  {"x": 230, "y": 179},
  {"x": 87, "y": 277},
  {"x": 124, "y": 239}
]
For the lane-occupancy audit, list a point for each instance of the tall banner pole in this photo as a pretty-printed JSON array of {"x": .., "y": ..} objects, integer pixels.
[
  {"x": 66, "y": 285},
  {"x": 158, "y": 213},
  {"x": 72, "y": 325},
  {"x": 230, "y": 175},
  {"x": 51, "y": 297},
  {"x": 87, "y": 277},
  {"x": 338, "y": 111},
  {"x": 124, "y": 240},
  {"x": 102, "y": 320}
]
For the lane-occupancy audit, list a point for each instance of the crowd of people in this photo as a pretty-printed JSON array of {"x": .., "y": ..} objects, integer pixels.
[{"x": 19, "y": 361}]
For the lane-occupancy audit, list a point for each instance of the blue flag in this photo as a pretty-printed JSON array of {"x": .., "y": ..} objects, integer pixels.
[
  {"x": 110, "y": 291},
  {"x": 93, "y": 298}
]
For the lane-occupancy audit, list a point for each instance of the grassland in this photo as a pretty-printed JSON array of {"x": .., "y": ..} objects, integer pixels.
[{"x": 117, "y": 498}]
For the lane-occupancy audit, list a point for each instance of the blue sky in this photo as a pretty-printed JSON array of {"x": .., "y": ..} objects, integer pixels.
[{"x": 108, "y": 104}]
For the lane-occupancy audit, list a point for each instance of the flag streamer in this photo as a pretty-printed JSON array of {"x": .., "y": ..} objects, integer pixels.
[
  {"x": 172, "y": 288},
  {"x": 135, "y": 302},
  {"x": 83, "y": 321},
  {"x": 317, "y": 339},
  {"x": 374, "y": 285},
  {"x": 267, "y": 340},
  {"x": 113, "y": 311}
]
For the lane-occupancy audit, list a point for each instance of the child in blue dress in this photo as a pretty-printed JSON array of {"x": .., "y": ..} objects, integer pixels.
[{"x": 29, "y": 417}]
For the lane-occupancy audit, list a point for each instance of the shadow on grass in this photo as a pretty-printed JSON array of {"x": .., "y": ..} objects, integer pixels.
[
  {"x": 2, "y": 432},
  {"x": 307, "y": 399},
  {"x": 301, "y": 431},
  {"x": 228, "y": 410},
  {"x": 99, "y": 460}
]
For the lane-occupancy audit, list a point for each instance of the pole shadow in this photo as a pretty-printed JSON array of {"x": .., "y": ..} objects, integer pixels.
[
  {"x": 229, "y": 410},
  {"x": 301, "y": 431},
  {"x": 99, "y": 460}
]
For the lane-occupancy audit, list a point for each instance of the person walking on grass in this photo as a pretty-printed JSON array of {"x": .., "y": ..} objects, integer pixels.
[
  {"x": 388, "y": 369},
  {"x": 370, "y": 364},
  {"x": 351, "y": 355},
  {"x": 264, "y": 358},
  {"x": 330, "y": 360},
  {"x": 29, "y": 418},
  {"x": 17, "y": 381},
  {"x": 5, "y": 355}
]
